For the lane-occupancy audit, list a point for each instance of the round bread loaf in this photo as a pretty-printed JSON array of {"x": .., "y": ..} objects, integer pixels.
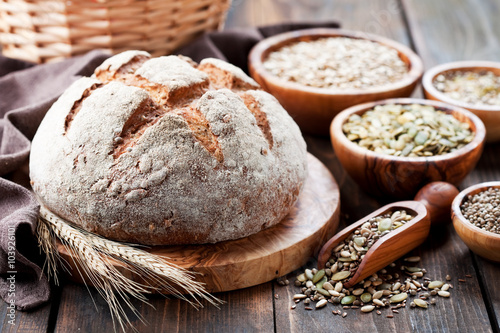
[{"x": 165, "y": 151}]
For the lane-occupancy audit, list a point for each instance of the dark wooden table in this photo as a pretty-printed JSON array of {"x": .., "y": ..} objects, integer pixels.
[{"x": 440, "y": 31}]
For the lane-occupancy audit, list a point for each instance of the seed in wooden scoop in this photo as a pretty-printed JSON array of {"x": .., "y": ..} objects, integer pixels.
[
  {"x": 385, "y": 225},
  {"x": 321, "y": 303},
  {"x": 435, "y": 284},
  {"x": 345, "y": 254},
  {"x": 443, "y": 293},
  {"x": 367, "y": 308},
  {"x": 398, "y": 298},
  {"x": 366, "y": 297},
  {"x": 359, "y": 241},
  {"x": 420, "y": 302},
  {"x": 318, "y": 276},
  {"x": 348, "y": 300},
  {"x": 341, "y": 275}
]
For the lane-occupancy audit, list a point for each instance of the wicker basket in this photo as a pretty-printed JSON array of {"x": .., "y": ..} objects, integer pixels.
[{"x": 50, "y": 30}]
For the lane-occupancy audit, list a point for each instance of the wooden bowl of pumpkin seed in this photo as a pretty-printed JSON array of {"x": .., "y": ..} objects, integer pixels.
[{"x": 396, "y": 146}]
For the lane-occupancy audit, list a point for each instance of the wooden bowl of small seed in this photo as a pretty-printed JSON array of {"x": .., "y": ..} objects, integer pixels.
[
  {"x": 394, "y": 147},
  {"x": 476, "y": 218},
  {"x": 472, "y": 85},
  {"x": 316, "y": 73}
]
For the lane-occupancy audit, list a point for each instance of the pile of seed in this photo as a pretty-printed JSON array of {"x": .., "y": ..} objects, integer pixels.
[
  {"x": 483, "y": 210},
  {"x": 387, "y": 288},
  {"x": 470, "y": 87},
  {"x": 337, "y": 62},
  {"x": 411, "y": 130}
]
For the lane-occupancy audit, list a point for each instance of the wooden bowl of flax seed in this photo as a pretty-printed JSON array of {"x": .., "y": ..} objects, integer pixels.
[
  {"x": 316, "y": 73},
  {"x": 472, "y": 85},
  {"x": 394, "y": 147},
  {"x": 476, "y": 218}
]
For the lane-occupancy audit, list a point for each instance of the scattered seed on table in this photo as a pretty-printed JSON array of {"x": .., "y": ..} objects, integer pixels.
[
  {"x": 390, "y": 316},
  {"x": 461, "y": 280},
  {"x": 448, "y": 278},
  {"x": 344, "y": 314},
  {"x": 468, "y": 275}
]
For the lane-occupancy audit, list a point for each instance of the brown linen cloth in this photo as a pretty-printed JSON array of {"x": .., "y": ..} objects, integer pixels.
[{"x": 26, "y": 93}]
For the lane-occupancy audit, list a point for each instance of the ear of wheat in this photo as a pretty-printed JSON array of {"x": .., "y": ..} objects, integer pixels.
[{"x": 90, "y": 253}]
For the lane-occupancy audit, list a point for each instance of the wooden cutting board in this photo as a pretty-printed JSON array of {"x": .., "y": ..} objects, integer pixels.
[{"x": 262, "y": 257}]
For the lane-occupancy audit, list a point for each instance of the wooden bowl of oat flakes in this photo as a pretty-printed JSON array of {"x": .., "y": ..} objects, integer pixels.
[
  {"x": 394, "y": 147},
  {"x": 476, "y": 218},
  {"x": 316, "y": 73},
  {"x": 472, "y": 85}
]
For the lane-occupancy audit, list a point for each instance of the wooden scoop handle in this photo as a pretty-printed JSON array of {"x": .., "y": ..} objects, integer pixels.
[{"x": 437, "y": 197}]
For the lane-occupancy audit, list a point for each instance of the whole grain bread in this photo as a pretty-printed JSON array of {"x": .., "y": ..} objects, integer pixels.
[{"x": 165, "y": 151}]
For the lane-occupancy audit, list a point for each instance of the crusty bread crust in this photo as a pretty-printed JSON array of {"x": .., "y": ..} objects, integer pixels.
[{"x": 164, "y": 151}]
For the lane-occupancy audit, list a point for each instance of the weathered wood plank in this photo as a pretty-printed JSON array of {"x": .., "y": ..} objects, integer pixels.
[
  {"x": 454, "y": 30},
  {"x": 246, "y": 310},
  {"x": 35, "y": 321}
]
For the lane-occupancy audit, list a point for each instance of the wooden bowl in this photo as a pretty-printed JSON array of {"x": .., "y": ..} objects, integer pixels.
[
  {"x": 482, "y": 242},
  {"x": 489, "y": 114},
  {"x": 402, "y": 177},
  {"x": 314, "y": 108}
]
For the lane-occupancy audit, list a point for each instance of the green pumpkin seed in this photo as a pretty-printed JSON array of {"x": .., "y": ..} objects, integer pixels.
[
  {"x": 318, "y": 276},
  {"x": 348, "y": 300},
  {"x": 341, "y": 275},
  {"x": 321, "y": 282},
  {"x": 323, "y": 292},
  {"x": 366, "y": 297}
]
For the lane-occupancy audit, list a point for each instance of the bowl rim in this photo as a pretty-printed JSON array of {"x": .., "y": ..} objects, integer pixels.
[
  {"x": 339, "y": 120},
  {"x": 257, "y": 53},
  {"x": 455, "y": 207},
  {"x": 432, "y": 72}
]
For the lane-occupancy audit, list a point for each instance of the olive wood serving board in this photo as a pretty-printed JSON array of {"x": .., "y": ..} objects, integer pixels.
[{"x": 261, "y": 257}]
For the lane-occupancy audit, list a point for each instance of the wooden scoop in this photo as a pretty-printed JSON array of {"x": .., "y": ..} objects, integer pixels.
[{"x": 433, "y": 204}]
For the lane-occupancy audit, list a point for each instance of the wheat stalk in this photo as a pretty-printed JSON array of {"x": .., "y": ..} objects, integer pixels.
[{"x": 91, "y": 252}]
